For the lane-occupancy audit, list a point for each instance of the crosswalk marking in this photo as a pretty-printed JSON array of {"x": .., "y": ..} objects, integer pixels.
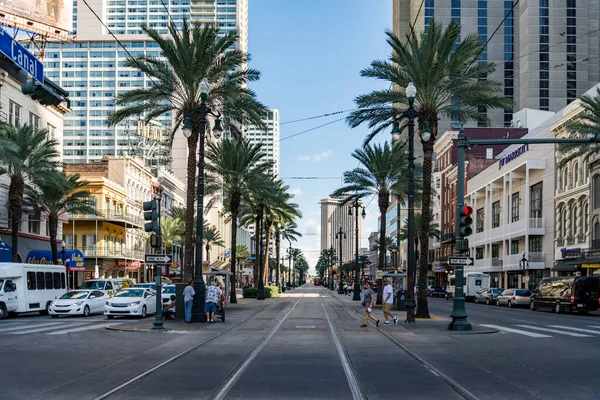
[
  {"x": 85, "y": 328},
  {"x": 22, "y": 326},
  {"x": 505, "y": 329},
  {"x": 554, "y": 331},
  {"x": 575, "y": 329},
  {"x": 45, "y": 328}
]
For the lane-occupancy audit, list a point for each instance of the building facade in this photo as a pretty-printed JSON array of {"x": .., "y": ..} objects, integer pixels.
[
  {"x": 546, "y": 51},
  {"x": 334, "y": 215},
  {"x": 268, "y": 138}
]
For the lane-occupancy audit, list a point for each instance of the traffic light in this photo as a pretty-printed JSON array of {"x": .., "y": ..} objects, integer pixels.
[
  {"x": 41, "y": 93},
  {"x": 465, "y": 221},
  {"x": 151, "y": 216}
]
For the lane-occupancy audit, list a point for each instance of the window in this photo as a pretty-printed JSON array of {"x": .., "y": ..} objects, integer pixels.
[
  {"x": 30, "y": 280},
  {"x": 51, "y": 131},
  {"x": 515, "y": 201},
  {"x": 514, "y": 247},
  {"x": 535, "y": 244},
  {"x": 56, "y": 280},
  {"x": 14, "y": 113},
  {"x": 63, "y": 280},
  {"x": 9, "y": 286},
  {"x": 49, "y": 282},
  {"x": 34, "y": 120},
  {"x": 495, "y": 251},
  {"x": 33, "y": 224},
  {"x": 40, "y": 280},
  {"x": 479, "y": 253},
  {"x": 496, "y": 214},
  {"x": 536, "y": 201}
]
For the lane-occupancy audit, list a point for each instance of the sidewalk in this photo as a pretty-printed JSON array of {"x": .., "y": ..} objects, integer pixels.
[
  {"x": 437, "y": 324},
  {"x": 233, "y": 314}
]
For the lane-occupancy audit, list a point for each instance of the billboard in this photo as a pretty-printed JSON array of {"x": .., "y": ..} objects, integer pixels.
[{"x": 52, "y": 13}]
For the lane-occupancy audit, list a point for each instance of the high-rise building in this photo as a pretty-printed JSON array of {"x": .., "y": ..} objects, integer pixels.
[
  {"x": 546, "y": 51},
  {"x": 269, "y": 137},
  {"x": 334, "y": 215},
  {"x": 92, "y": 68}
]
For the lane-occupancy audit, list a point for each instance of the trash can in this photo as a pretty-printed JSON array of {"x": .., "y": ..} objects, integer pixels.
[{"x": 401, "y": 300}]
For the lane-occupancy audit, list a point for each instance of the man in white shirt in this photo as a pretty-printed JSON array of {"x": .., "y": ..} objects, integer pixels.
[
  {"x": 388, "y": 300},
  {"x": 188, "y": 299}
]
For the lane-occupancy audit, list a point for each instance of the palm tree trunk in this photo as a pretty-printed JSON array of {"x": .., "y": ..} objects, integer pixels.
[
  {"x": 235, "y": 204},
  {"x": 15, "y": 198},
  {"x": 188, "y": 270},
  {"x": 277, "y": 256},
  {"x": 268, "y": 226},
  {"x": 384, "y": 203},
  {"x": 53, "y": 231},
  {"x": 256, "y": 248},
  {"x": 422, "y": 307}
]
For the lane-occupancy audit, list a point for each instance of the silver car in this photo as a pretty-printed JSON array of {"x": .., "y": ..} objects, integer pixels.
[
  {"x": 488, "y": 295},
  {"x": 514, "y": 297}
]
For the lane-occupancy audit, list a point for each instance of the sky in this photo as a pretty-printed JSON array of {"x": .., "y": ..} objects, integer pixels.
[{"x": 310, "y": 54}]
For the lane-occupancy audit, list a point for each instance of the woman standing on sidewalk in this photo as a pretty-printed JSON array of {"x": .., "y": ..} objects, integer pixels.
[{"x": 368, "y": 301}]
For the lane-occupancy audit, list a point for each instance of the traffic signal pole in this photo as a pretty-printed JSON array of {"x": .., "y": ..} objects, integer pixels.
[{"x": 459, "y": 313}]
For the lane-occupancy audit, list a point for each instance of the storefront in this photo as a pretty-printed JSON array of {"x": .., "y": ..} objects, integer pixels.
[
  {"x": 73, "y": 260},
  {"x": 128, "y": 269},
  {"x": 569, "y": 263}
]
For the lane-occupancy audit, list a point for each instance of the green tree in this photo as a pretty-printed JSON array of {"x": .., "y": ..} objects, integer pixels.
[
  {"x": 450, "y": 80},
  {"x": 433, "y": 232},
  {"x": 284, "y": 230},
  {"x": 191, "y": 55},
  {"x": 389, "y": 246},
  {"x": 58, "y": 195},
  {"x": 211, "y": 237},
  {"x": 172, "y": 230},
  {"x": 27, "y": 155},
  {"x": 235, "y": 170}
]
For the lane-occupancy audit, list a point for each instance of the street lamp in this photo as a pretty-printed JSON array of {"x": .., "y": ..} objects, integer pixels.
[
  {"x": 410, "y": 114},
  {"x": 63, "y": 257},
  {"x": 356, "y": 205},
  {"x": 282, "y": 277},
  {"x": 289, "y": 282},
  {"x": 339, "y": 235},
  {"x": 197, "y": 117},
  {"x": 524, "y": 265},
  {"x": 331, "y": 262}
]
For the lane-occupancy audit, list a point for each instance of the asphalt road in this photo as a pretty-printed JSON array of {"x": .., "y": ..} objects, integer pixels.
[{"x": 307, "y": 344}]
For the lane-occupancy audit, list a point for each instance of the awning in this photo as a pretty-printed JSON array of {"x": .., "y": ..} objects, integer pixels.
[
  {"x": 565, "y": 267},
  {"x": 74, "y": 258},
  {"x": 216, "y": 264}
]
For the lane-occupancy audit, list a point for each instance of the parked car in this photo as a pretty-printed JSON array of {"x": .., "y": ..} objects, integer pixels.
[
  {"x": 488, "y": 295},
  {"x": 137, "y": 302},
  {"x": 436, "y": 291},
  {"x": 514, "y": 297},
  {"x": 573, "y": 293},
  {"x": 146, "y": 285},
  {"x": 79, "y": 302},
  {"x": 109, "y": 286},
  {"x": 167, "y": 291}
]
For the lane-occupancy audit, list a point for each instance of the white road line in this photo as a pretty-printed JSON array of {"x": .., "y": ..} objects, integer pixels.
[
  {"x": 520, "y": 332},
  {"x": 554, "y": 331},
  {"x": 20, "y": 326},
  {"x": 46, "y": 328},
  {"x": 84, "y": 328},
  {"x": 593, "y": 326},
  {"x": 575, "y": 329}
]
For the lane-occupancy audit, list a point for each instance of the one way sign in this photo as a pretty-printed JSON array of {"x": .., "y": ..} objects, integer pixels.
[
  {"x": 157, "y": 259},
  {"x": 460, "y": 261}
]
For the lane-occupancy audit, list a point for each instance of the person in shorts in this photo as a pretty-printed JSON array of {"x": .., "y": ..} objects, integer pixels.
[
  {"x": 368, "y": 301},
  {"x": 388, "y": 300},
  {"x": 213, "y": 294}
]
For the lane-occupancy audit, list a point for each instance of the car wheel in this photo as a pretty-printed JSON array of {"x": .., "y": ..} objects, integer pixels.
[
  {"x": 532, "y": 305},
  {"x": 86, "y": 311},
  {"x": 510, "y": 304},
  {"x": 557, "y": 308},
  {"x": 46, "y": 311},
  {"x": 3, "y": 312},
  {"x": 144, "y": 312},
  {"x": 487, "y": 301}
]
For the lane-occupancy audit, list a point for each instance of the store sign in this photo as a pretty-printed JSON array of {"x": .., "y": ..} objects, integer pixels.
[
  {"x": 593, "y": 266},
  {"x": 513, "y": 155},
  {"x": 128, "y": 264},
  {"x": 570, "y": 254}
]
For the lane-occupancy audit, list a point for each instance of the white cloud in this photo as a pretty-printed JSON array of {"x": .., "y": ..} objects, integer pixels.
[
  {"x": 304, "y": 158},
  {"x": 312, "y": 225},
  {"x": 316, "y": 157},
  {"x": 296, "y": 192}
]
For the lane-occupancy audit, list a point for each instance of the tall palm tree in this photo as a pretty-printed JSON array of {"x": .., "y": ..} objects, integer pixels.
[
  {"x": 211, "y": 237},
  {"x": 27, "y": 155},
  {"x": 58, "y": 195},
  {"x": 450, "y": 80},
  {"x": 381, "y": 166},
  {"x": 584, "y": 125},
  {"x": 389, "y": 246},
  {"x": 296, "y": 255},
  {"x": 433, "y": 231},
  {"x": 172, "y": 230},
  {"x": 235, "y": 169},
  {"x": 286, "y": 231},
  {"x": 191, "y": 55}
]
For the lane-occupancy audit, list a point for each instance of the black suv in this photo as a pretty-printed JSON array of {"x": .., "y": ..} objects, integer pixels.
[{"x": 572, "y": 293}]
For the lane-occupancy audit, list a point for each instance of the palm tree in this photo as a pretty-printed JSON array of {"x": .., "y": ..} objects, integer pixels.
[
  {"x": 450, "y": 80},
  {"x": 286, "y": 231},
  {"x": 433, "y": 232},
  {"x": 235, "y": 170},
  {"x": 58, "y": 195},
  {"x": 172, "y": 230},
  {"x": 584, "y": 125},
  {"x": 296, "y": 255},
  {"x": 211, "y": 237},
  {"x": 381, "y": 166},
  {"x": 191, "y": 55},
  {"x": 389, "y": 246},
  {"x": 27, "y": 155}
]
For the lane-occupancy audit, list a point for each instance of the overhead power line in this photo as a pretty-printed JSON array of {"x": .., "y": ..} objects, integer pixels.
[
  {"x": 317, "y": 116},
  {"x": 311, "y": 129}
]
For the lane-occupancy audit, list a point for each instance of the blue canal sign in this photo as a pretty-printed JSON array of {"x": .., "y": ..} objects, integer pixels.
[{"x": 20, "y": 56}]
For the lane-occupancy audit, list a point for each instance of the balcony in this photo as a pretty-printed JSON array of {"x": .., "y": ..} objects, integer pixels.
[
  {"x": 113, "y": 252},
  {"x": 118, "y": 216},
  {"x": 537, "y": 260}
]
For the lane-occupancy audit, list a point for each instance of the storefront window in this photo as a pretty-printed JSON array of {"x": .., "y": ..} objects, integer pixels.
[{"x": 513, "y": 280}]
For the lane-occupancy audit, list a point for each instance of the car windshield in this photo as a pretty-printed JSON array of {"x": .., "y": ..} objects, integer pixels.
[
  {"x": 523, "y": 292},
  {"x": 131, "y": 293},
  {"x": 96, "y": 285},
  {"x": 497, "y": 290},
  {"x": 74, "y": 295},
  {"x": 170, "y": 289},
  {"x": 1, "y": 283}
]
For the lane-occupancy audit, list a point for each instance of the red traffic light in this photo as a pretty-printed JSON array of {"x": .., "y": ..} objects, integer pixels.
[{"x": 467, "y": 210}]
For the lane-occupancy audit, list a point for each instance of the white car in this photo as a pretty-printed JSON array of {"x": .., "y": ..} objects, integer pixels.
[
  {"x": 79, "y": 302},
  {"x": 167, "y": 292},
  {"x": 137, "y": 302}
]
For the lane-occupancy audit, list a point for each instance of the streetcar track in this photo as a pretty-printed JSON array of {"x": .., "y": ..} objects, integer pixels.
[
  {"x": 142, "y": 375},
  {"x": 458, "y": 388}
]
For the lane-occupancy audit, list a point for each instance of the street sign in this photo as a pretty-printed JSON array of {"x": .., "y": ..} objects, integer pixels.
[
  {"x": 460, "y": 261},
  {"x": 157, "y": 259},
  {"x": 21, "y": 56}
]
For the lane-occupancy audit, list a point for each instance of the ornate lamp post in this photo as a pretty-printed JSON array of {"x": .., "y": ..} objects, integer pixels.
[
  {"x": 524, "y": 266},
  {"x": 331, "y": 262},
  {"x": 201, "y": 112},
  {"x": 339, "y": 235},
  {"x": 289, "y": 282},
  {"x": 356, "y": 206}
]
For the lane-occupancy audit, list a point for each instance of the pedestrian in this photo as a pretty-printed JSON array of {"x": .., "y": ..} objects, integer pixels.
[
  {"x": 368, "y": 301},
  {"x": 213, "y": 294},
  {"x": 188, "y": 298},
  {"x": 388, "y": 300},
  {"x": 169, "y": 309}
]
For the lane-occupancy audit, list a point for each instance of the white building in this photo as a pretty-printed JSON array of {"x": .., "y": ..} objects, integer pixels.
[
  {"x": 269, "y": 138},
  {"x": 333, "y": 216}
]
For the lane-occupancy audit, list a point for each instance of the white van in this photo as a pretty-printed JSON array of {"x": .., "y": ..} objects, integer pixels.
[
  {"x": 474, "y": 282},
  {"x": 108, "y": 286},
  {"x": 30, "y": 287}
]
